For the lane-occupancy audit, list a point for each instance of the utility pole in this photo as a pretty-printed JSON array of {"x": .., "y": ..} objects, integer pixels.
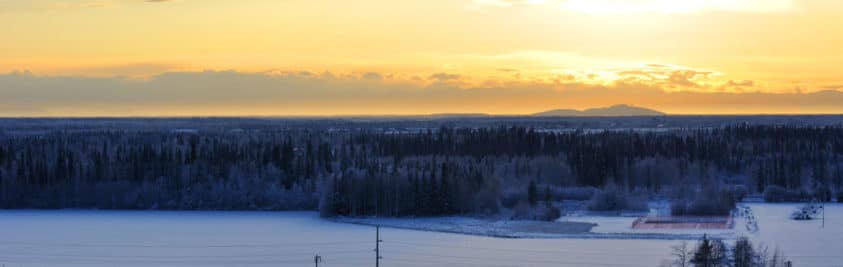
[
  {"x": 377, "y": 245},
  {"x": 317, "y": 259}
]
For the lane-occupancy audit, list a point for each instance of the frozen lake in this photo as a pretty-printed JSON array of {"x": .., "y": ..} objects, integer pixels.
[{"x": 163, "y": 238}]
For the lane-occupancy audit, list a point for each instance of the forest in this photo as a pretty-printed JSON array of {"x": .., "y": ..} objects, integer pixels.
[{"x": 360, "y": 168}]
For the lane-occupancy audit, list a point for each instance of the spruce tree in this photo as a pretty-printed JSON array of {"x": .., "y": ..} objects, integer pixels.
[
  {"x": 532, "y": 193},
  {"x": 743, "y": 254},
  {"x": 703, "y": 255}
]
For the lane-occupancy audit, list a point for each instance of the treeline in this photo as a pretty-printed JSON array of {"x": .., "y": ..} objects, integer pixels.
[
  {"x": 760, "y": 156},
  {"x": 162, "y": 170},
  {"x": 419, "y": 186},
  {"x": 371, "y": 171}
]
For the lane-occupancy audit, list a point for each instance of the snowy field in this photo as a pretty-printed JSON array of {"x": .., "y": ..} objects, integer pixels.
[
  {"x": 162, "y": 238},
  {"x": 807, "y": 243},
  {"x": 621, "y": 227},
  {"x": 159, "y": 238}
]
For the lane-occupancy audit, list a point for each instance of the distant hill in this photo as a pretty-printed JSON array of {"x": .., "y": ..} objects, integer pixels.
[{"x": 613, "y": 111}]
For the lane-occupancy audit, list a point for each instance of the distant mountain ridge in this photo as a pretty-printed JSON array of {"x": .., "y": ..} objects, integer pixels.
[{"x": 612, "y": 111}]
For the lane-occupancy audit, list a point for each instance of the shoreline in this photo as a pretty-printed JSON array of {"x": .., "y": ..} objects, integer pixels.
[{"x": 518, "y": 229}]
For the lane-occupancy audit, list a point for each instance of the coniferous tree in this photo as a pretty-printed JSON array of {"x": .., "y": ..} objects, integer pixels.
[
  {"x": 710, "y": 253},
  {"x": 743, "y": 255},
  {"x": 532, "y": 193},
  {"x": 704, "y": 254}
]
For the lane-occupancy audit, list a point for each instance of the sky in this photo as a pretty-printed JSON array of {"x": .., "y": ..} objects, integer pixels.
[{"x": 379, "y": 57}]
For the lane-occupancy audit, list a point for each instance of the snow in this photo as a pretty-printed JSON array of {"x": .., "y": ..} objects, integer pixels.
[
  {"x": 807, "y": 243},
  {"x": 617, "y": 226},
  {"x": 477, "y": 226},
  {"x": 162, "y": 238},
  {"x": 607, "y": 227}
]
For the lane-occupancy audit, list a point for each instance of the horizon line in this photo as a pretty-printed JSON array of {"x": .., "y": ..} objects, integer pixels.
[{"x": 453, "y": 115}]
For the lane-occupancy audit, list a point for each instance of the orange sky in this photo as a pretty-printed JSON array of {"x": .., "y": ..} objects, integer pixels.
[{"x": 136, "y": 57}]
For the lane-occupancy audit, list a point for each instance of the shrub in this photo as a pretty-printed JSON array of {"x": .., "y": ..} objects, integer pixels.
[
  {"x": 709, "y": 202},
  {"x": 776, "y": 193},
  {"x": 823, "y": 194},
  {"x": 573, "y": 193},
  {"x": 548, "y": 213},
  {"x": 740, "y": 192},
  {"x": 486, "y": 202},
  {"x": 806, "y": 212},
  {"x": 615, "y": 200},
  {"x": 327, "y": 207},
  {"x": 523, "y": 211},
  {"x": 511, "y": 198}
]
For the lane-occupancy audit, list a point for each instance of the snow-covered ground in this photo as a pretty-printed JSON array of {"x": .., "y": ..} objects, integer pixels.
[
  {"x": 579, "y": 227},
  {"x": 807, "y": 243},
  {"x": 582, "y": 225},
  {"x": 161, "y": 238},
  {"x": 621, "y": 227},
  {"x": 482, "y": 227}
]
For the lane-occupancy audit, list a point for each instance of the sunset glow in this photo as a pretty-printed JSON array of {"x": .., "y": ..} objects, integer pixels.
[
  {"x": 746, "y": 53},
  {"x": 667, "y": 6}
]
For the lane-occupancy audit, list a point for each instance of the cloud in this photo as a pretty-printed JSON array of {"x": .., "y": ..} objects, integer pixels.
[
  {"x": 669, "y": 77},
  {"x": 135, "y": 70},
  {"x": 372, "y": 76},
  {"x": 22, "y": 110},
  {"x": 301, "y": 93},
  {"x": 833, "y": 87},
  {"x": 684, "y": 78},
  {"x": 445, "y": 77},
  {"x": 744, "y": 83}
]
